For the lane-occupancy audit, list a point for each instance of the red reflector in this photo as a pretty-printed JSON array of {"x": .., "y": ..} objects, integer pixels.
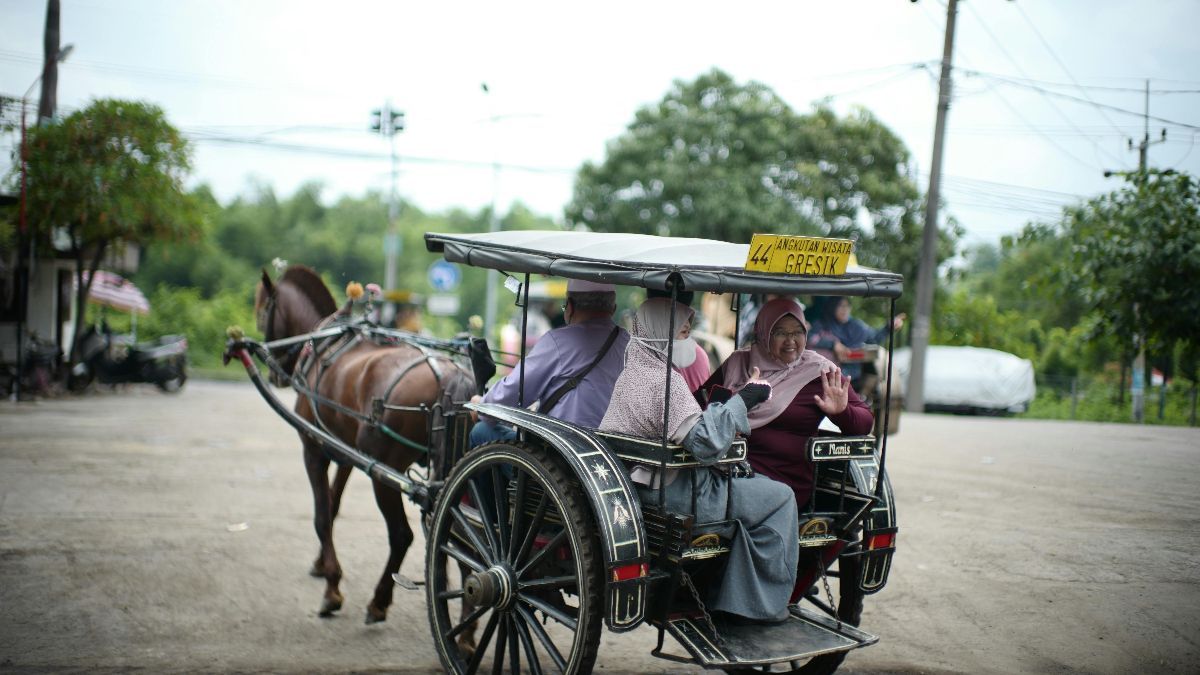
[
  {"x": 630, "y": 571},
  {"x": 882, "y": 541}
]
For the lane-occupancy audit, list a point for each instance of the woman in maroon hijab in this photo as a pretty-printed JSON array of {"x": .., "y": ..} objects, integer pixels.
[{"x": 806, "y": 387}]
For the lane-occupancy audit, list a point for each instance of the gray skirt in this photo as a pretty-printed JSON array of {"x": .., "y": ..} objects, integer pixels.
[{"x": 761, "y": 569}]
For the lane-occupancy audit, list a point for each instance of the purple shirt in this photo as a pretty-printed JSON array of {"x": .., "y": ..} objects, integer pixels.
[{"x": 559, "y": 355}]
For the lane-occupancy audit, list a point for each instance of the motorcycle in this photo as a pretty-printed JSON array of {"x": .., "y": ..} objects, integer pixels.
[{"x": 114, "y": 359}]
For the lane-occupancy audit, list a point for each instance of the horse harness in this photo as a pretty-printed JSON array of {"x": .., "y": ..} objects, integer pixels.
[{"x": 323, "y": 353}]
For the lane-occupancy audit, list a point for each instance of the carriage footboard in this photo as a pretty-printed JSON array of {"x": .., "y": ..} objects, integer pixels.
[{"x": 341, "y": 452}]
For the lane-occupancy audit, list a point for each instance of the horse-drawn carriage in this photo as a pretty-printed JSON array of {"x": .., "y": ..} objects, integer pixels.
[{"x": 548, "y": 530}]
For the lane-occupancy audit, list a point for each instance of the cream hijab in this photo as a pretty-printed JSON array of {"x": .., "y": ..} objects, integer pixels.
[
  {"x": 636, "y": 407},
  {"x": 787, "y": 379}
]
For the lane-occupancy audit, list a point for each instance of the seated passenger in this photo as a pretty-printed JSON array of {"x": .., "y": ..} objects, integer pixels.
[
  {"x": 806, "y": 386},
  {"x": 570, "y": 372},
  {"x": 763, "y": 541},
  {"x": 688, "y": 357},
  {"x": 835, "y": 332}
]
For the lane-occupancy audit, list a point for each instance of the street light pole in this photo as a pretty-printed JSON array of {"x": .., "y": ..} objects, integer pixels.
[
  {"x": 389, "y": 122},
  {"x": 489, "y": 310}
]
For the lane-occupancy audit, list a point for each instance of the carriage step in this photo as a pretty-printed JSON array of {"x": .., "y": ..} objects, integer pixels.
[
  {"x": 804, "y": 635},
  {"x": 406, "y": 583}
]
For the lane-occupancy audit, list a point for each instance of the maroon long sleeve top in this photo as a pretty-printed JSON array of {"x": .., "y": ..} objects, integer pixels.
[{"x": 777, "y": 450}]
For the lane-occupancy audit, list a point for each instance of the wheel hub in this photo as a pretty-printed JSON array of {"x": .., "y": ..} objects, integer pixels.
[{"x": 491, "y": 588}]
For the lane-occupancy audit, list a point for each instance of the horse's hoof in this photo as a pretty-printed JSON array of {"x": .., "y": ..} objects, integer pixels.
[
  {"x": 375, "y": 615},
  {"x": 330, "y": 605},
  {"x": 467, "y": 650}
]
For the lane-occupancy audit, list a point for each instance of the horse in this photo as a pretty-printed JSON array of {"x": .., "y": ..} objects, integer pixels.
[{"x": 352, "y": 375}]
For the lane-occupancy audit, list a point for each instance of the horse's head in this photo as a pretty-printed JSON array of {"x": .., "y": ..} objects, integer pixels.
[{"x": 292, "y": 305}]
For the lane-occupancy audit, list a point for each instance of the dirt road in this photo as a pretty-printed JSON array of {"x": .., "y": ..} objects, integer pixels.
[{"x": 142, "y": 530}]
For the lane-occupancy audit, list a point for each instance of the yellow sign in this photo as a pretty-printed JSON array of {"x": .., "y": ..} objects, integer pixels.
[{"x": 808, "y": 256}]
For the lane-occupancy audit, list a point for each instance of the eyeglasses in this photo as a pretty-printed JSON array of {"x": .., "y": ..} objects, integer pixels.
[{"x": 792, "y": 335}]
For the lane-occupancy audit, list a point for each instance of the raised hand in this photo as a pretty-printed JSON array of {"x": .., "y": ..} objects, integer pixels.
[{"x": 835, "y": 392}]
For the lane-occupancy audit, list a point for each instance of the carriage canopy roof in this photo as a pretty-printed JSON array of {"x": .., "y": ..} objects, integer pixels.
[{"x": 648, "y": 261}]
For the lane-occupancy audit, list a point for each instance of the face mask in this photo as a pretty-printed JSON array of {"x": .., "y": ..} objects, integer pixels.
[{"x": 684, "y": 353}]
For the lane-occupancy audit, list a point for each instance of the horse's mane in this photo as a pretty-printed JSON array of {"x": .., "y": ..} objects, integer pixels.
[{"x": 310, "y": 284}]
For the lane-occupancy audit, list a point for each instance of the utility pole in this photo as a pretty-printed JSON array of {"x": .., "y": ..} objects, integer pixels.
[
  {"x": 389, "y": 122},
  {"x": 52, "y": 56},
  {"x": 914, "y": 395},
  {"x": 1138, "y": 384},
  {"x": 46, "y": 107}
]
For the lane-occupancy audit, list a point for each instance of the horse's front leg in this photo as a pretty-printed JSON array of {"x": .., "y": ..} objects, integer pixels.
[
  {"x": 400, "y": 537},
  {"x": 338, "y": 487},
  {"x": 316, "y": 464}
]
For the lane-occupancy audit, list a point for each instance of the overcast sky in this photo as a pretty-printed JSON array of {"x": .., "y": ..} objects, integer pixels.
[{"x": 280, "y": 92}]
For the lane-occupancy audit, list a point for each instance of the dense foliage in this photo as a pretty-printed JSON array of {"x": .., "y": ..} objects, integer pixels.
[{"x": 723, "y": 160}]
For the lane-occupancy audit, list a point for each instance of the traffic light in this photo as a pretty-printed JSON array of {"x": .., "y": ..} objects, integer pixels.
[{"x": 393, "y": 119}]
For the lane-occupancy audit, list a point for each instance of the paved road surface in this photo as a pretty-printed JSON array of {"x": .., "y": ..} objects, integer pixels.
[{"x": 142, "y": 530}]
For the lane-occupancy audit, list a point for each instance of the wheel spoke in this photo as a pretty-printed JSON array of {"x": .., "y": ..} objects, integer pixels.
[
  {"x": 500, "y": 497},
  {"x": 549, "y": 610},
  {"x": 469, "y": 529},
  {"x": 548, "y": 583},
  {"x": 550, "y": 546},
  {"x": 474, "y": 616},
  {"x": 501, "y": 643},
  {"x": 484, "y": 640},
  {"x": 514, "y": 654},
  {"x": 539, "y": 516},
  {"x": 518, "y": 515},
  {"x": 486, "y": 518},
  {"x": 543, "y": 637},
  {"x": 463, "y": 557},
  {"x": 522, "y": 631}
]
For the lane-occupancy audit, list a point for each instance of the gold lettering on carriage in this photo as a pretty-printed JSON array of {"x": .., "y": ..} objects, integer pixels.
[{"x": 805, "y": 256}]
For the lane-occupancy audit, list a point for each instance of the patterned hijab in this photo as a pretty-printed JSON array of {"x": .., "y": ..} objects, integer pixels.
[
  {"x": 637, "y": 402},
  {"x": 787, "y": 379}
]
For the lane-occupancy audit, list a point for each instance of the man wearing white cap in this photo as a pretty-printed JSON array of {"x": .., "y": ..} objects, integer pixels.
[{"x": 571, "y": 371}]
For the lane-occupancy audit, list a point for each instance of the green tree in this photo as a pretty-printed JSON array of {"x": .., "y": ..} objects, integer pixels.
[
  {"x": 724, "y": 160},
  {"x": 1135, "y": 257},
  {"x": 109, "y": 174}
]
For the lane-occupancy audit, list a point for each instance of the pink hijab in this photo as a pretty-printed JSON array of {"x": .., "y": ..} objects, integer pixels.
[
  {"x": 787, "y": 379},
  {"x": 636, "y": 407}
]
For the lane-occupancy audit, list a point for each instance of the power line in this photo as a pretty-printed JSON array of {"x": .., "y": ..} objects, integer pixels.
[
  {"x": 1059, "y": 61},
  {"x": 348, "y": 153},
  {"x": 1020, "y": 83},
  {"x": 1013, "y": 61}
]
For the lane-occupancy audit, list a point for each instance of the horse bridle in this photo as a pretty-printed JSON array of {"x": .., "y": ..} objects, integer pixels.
[{"x": 269, "y": 328}]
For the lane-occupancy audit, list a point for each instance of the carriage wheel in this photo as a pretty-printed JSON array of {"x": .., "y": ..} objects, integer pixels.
[{"x": 512, "y": 516}]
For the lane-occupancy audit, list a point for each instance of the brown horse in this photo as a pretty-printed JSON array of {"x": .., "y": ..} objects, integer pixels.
[{"x": 353, "y": 375}]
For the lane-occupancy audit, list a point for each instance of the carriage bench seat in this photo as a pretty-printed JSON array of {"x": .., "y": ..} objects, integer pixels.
[{"x": 650, "y": 453}]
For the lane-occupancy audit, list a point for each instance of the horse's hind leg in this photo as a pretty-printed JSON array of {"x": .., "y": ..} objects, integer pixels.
[
  {"x": 316, "y": 464},
  {"x": 400, "y": 537}
]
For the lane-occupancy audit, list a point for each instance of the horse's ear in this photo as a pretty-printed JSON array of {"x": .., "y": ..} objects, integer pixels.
[{"x": 266, "y": 282}]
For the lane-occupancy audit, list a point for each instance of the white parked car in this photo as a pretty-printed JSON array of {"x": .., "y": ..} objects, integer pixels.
[{"x": 972, "y": 379}]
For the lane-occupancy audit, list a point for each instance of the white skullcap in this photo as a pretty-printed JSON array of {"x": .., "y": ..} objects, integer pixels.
[{"x": 581, "y": 286}]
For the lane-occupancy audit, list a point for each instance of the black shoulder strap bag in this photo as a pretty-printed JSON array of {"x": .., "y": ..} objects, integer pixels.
[{"x": 570, "y": 384}]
